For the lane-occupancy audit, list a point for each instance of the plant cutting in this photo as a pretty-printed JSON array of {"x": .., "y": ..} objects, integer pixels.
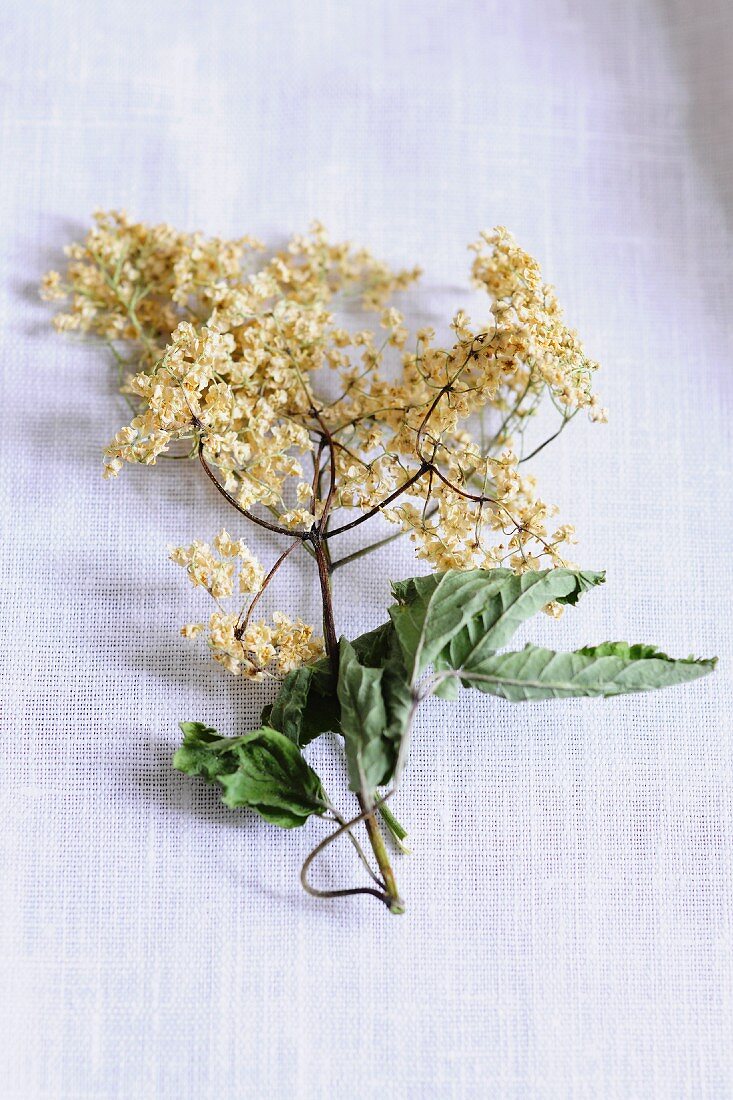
[{"x": 321, "y": 431}]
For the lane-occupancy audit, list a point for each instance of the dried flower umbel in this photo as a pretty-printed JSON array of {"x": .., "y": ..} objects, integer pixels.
[{"x": 310, "y": 429}]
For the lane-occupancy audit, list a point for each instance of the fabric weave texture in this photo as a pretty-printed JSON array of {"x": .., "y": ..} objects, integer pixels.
[{"x": 570, "y": 891}]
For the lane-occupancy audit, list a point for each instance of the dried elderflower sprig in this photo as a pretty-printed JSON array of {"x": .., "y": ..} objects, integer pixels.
[{"x": 309, "y": 428}]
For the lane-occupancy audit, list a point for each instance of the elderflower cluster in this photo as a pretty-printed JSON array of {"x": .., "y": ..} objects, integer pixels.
[
  {"x": 251, "y": 649},
  {"x": 531, "y": 340},
  {"x": 243, "y": 361},
  {"x": 263, "y": 649}
]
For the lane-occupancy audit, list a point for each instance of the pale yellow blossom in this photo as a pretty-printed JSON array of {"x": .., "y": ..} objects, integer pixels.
[{"x": 239, "y": 360}]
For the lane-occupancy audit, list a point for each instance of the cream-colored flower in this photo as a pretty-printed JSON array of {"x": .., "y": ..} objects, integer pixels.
[{"x": 238, "y": 359}]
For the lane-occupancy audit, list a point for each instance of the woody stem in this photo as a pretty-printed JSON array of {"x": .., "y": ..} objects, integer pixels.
[
  {"x": 392, "y": 897},
  {"x": 393, "y": 900},
  {"x": 324, "y": 578}
]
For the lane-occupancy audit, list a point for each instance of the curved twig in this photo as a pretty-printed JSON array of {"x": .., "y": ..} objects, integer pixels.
[
  {"x": 345, "y": 827},
  {"x": 477, "y": 498},
  {"x": 424, "y": 467},
  {"x": 244, "y": 622},
  {"x": 565, "y": 421},
  {"x": 357, "y": 846},
  {"x": 279, "y": 530}
]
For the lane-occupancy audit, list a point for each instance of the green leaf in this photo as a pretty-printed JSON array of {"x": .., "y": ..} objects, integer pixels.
[
  {"x": 398, "y": 698},
  {"x": 204, "y": 752},
  {"x": 374, "y": 648},
  {"x": 274, "y": 779},
  {"x": 396, "y": 828},
  {"x": 585, "y": 579},
  {"x": 380, "y": 648},
  {"x": 613, "y": 668},
  {"x": 514, "y": 600},
  {"x": 369, "y": 753},
  {"x": 448, "y": 619},
  {"x": 306, "y": 705},
  {"x": 262, "y": 770},
  {"x": 447, "y": 689}
]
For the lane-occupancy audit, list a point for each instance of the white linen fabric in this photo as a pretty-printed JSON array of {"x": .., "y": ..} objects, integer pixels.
[{"x": 570, "y": 900}]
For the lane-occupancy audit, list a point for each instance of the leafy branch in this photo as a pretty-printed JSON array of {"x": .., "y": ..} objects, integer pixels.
[{"x": 453, "y": 624}]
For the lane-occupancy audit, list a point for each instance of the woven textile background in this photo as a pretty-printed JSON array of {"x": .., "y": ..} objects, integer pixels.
[{"x": 570, "y": 893}]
